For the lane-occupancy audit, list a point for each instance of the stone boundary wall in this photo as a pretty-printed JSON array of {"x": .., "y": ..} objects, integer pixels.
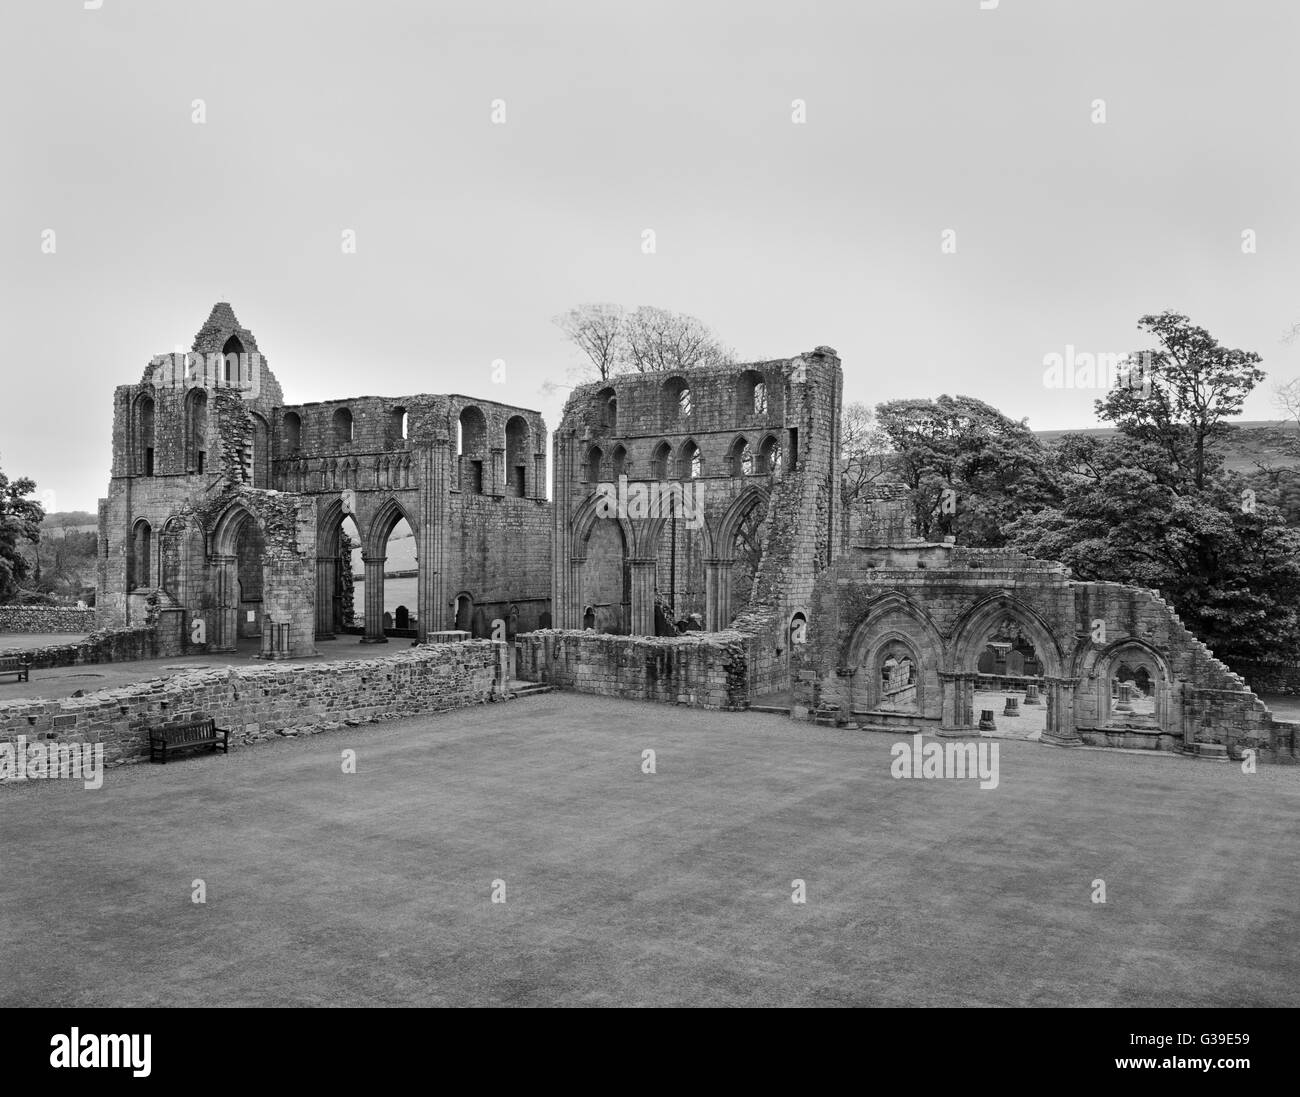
[
  {"x": 113, "y": 645},
  {"x": 259, "y": 702},
  {"x": 40, "y": 619},
  {"x": 704, "y": 670},
  {"x": 1270, "y": 677}
]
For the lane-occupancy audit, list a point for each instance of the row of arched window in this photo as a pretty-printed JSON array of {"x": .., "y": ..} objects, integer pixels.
[
  {"x": 677, "y": 404},
  {"x": 688, "y": 462},
  {"x": 472, "y": 453},
  {"x": 342, "y": 429},
  {"x": 143, "y": 428}
]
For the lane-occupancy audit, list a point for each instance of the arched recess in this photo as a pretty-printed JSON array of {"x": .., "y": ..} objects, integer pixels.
[
  {"x": 894, "y": 626},
  {"x": 1098, "y": 703},
  {"x": 342, "y": 426},
  {"x": 232, "y": 354},
  {"x": 196, "y": 431},
  {"x": 660, "y": 460},
  {"x": 472, "y": 456},
  {"x": 464, "y": 610},
  {"x": 140, "y": 561},
  {"x": 741, "y": 457},
  {"x": 676, "y": 403},
  {"x": 769, "y": 456},
  {"x": 236, "y": 577},
  {"x": 690, "y": 463},
  {"x": 751, "y": 394},
  {"x": 606, "y": 410},
  {"x": 182, "y": 560},
  {"x": 144, "y": 417},
  {"x": 261, "y": 470},
  {"x": 601, "y": 563},
  {"x": 517, "y": 449},
  {"x": 736, "y": 552}
]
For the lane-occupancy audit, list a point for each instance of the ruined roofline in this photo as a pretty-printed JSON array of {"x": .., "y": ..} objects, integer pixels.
[
  {"x": 590, "y": 388},
  {"x": 414, "y": 396}
]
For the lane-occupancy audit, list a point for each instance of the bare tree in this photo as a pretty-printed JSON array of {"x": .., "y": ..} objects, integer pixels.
[
  {"x": 865, "y": 450},
  {"x": 658, "y": 340},
  {"x": 598, "y": 331},
  {"x": 1287, "y": 398}
]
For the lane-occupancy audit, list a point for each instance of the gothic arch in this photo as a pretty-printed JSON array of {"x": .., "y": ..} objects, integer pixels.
[
  {"x": 587, "y": 515},
  {"x": 725, "y": 537},
  {"x": 894, "y": 624},
  {"x": 226, "y": 529},
  {"x": 976, "y": 624},
  {"x": 385, "y": 520},
  {"x": 1096, "y": 666}
]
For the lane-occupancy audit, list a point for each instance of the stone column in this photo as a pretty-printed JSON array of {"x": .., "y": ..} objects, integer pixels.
[
  {"x": 433, "y": 474},
  {"x": 717, "y": 594},
  {"x": 374, "y": 572},
  {"x": 498, "y": 473},
  {"x": 571, "y": 617},
  {"x": 643, "y": 596},
  {"x": 539, "y": 477},
  {"x": 1125, "y": 701},
  {"x": 327, "y": 576},
  {"x": 1061, "y": 730},
  {"x": 958, "y": 703}
]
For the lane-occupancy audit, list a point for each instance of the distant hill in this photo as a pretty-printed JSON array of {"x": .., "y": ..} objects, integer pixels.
[
  {"x": 60, "y": 522},
  {"x": 1259, "y": 440}
]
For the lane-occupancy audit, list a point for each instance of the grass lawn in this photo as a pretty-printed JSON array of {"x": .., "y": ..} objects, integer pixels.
[{"x": 622, "y": 888}]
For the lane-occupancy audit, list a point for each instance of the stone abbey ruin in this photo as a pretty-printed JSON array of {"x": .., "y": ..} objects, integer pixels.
[{"x": 694, "y": 549}]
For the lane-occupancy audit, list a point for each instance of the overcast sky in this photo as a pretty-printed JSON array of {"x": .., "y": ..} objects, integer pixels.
[{"x": 921, "y": 116}]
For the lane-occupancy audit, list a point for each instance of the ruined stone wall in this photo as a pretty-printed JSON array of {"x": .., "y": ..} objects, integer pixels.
[
  {"x": 194, "y": 425},
  {"x": 105, "y": 646},
  {"x": 638, "y": 427},
  {"x": 700, "y": 670},
  {"x": 945, "y": 605},
  {"x": 500, "y": 555},
  {"x": 39, "y": 619},
  {"x": 264, "y": 701}
]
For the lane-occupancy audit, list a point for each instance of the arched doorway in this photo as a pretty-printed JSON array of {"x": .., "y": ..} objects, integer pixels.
[
  {"x": 338, "y": 572},
  {"x": 894, "y": 655},
  {"x": 390, "y": 574},
  {"x": 1133, "y": 690},
  {"x": 1006, "y": 663}
]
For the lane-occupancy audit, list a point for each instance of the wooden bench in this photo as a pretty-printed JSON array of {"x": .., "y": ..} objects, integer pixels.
[
  {"x": 197, "y": 733},
  {"x": 17, "y": 664}
]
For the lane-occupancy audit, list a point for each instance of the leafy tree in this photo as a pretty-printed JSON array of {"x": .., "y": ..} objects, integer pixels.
[
  {"x": 1191, "y": 385},
  {"x": 1154, "y": 506},
  {"x": 1228, "y": 569},
  {"x": 970, "y": 468},
  {"x": 20, "y": 520}
]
